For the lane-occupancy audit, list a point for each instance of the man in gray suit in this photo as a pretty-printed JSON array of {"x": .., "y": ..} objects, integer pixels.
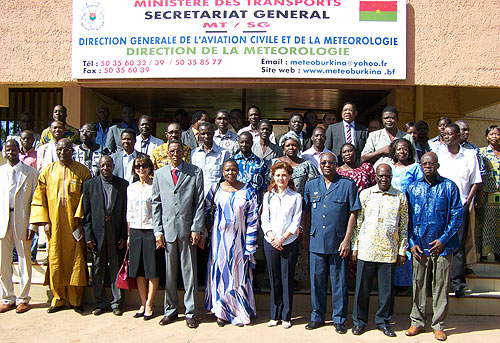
[
  {"x": 178, "y": 206},
  {"x": 346, "y": 131},
  {"x": 191, "y": 136},
  {"x": 113, "y": 139},
  {"x": 124, "y": 159}
]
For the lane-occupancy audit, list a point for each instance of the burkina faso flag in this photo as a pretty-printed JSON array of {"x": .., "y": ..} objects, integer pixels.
[{"x": 378, "y": 10}]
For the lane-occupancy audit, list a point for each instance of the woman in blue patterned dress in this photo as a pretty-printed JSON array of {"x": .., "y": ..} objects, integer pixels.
[
  {"x": 233, "y": 240},
  {"x": 404, "y": 171}
]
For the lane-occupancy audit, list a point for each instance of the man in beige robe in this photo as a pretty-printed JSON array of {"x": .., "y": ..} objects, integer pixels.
[{"x": 57, "y": 206}]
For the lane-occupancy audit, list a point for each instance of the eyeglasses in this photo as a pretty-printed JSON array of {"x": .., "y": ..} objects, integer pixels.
[
  {"x": 139, "y": 166},
  {"x": 324, "y": 163},
  {"x": 85, "y": 131}
]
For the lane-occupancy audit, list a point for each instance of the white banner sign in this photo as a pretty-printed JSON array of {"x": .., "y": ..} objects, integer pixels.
[{"x": 334, "y": 39}]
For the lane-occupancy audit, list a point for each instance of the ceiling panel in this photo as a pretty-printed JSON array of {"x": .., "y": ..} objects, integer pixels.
[{"x": 274, "y": 103}]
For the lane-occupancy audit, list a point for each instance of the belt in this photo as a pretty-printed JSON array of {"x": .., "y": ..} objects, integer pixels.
[
  {"x": 107, "y": 218},
  {"x": 11, "y": 209}
]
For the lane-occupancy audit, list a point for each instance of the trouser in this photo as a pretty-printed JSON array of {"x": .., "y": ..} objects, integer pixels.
[
  {"x": 323, "y": 265},
  {"x": 100, "y": 258},
  {"x": 440, "y": 268},
  {"x": 34, "y": 248},
  {"x": 187, "y": 254},
  {"x": 24, "y": 264},
  {"x": 364, "y": 280},
  {"x": 281, "y": 267},
  {"x": 74, "y": 294},
  {"x": 458, "y": 266}
]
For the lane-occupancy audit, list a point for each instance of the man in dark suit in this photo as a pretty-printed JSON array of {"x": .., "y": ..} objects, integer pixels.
[
  {"x": 113, "y": 139},
  {"x": 124, "y": 159},
  {"x": 178, "y": 206},
  {"x": 105, "y": 225},
  {"x": 190, "y": 137},
  {"x": 346, "y": 131},
  {"x": 296, "y": 124},
  {"x": 331, "y": 201}
]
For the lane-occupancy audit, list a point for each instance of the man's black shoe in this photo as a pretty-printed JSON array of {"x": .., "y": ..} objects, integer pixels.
[
  {"x": 358, "y": 330},
  {"x": 314, "y": 325},
  {"x": 386, "y": 330},
  {"x": 340, "y": 328}
]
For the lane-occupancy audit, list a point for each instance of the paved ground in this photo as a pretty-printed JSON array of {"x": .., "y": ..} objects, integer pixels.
[{"x": 67, "y": 326}]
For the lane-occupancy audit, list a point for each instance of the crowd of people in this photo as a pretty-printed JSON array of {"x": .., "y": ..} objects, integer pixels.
[{"x": 341, "y": 201}]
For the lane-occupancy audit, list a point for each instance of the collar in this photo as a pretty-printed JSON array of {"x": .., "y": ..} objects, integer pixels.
[
  {"x": 131, "y": 126},
  {"x": 103, "y": 180},
  {"x": 460, "y": 151},
  {"x": 16, "y": 167},
  {"x": 240, "y": 156},
  {"x": 194, "y": 130},
  {"x": 27, "y": 152},
  {"x": 214, "y": 149},
  {"x": 390, "y": 191},
  {"x": 222, "y": 135},
  {"x": 148, "y": 140},
  {"x": 179, "y": 167},
  {"x": 133, "y": 154},
  {"x": 351, "y": 124},
  {"x": 91, "y": 150},
  {"x": 316, "y": 152},
  {"x": 437, "y": 179},
  {"x": 287, "y": 191},
  {"x": 99, "y": 126}
]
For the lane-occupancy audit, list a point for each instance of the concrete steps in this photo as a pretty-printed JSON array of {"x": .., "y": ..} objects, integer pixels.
[{"x": 482, "y": 295}]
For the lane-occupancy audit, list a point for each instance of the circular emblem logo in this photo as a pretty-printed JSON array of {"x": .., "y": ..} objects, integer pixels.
[{"x": 92, "y": 17}]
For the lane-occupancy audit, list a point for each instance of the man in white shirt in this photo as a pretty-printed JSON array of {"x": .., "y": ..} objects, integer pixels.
[
  {"x": 461, "y": 166},
  {"x": 254, "y": 116},
  {"x": 377, "y": 145},
  {"x": 146, "y": 142},
  {"x": 46, "y": 153},
  {"x": 224, "y": 137},
  {"x": 209, "y": 157},
  {"x": 313, "y": 153}
]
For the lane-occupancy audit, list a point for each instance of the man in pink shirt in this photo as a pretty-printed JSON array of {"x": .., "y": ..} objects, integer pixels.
[{"x": 27, "y": 153}]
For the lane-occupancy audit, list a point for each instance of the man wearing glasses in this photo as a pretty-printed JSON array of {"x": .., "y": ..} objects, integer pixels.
[
  {"x": 89, "y": 152},
  {"x": 160, "y": 154},
  {"x": 330, "y": 202}
]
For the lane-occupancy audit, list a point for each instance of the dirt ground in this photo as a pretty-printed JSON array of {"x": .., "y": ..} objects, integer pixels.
[{"x": 67, "y": 326}]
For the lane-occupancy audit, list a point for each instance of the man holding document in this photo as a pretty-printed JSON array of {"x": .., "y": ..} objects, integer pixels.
[{"x": 57, "y": 206}]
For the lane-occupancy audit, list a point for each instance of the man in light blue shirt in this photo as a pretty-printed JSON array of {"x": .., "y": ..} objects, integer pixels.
[{"x": 209, "y": 156}]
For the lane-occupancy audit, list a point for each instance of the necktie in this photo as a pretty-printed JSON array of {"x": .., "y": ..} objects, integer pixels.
[
  {"x": 348, "y": 138},
  {"x": 144, "y": 147},
  {"x": 12, "y": 184},
  {"x": 174, "y": 176},
  {"x": 12, "y": 179}
]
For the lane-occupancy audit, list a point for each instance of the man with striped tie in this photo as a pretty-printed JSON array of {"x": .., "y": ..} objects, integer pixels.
[{"x": 346, "y": 131}]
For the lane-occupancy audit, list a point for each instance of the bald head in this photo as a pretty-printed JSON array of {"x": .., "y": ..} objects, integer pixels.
[
  {"x": 64, "y": 150},
  {"x": 430, "y": 165},
  {"x": 106, "y": 167},
  {"x": 383, "y": 176}
]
